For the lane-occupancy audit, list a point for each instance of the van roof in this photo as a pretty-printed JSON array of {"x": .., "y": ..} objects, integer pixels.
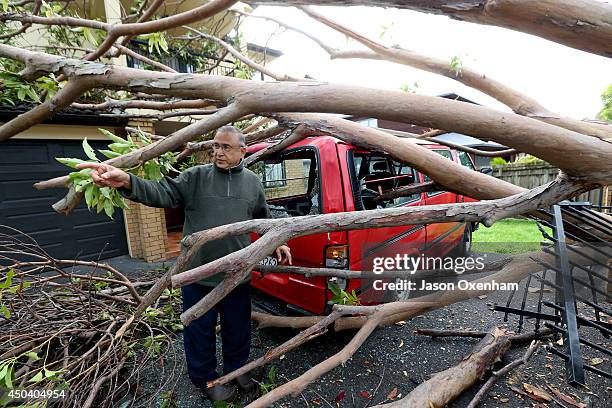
[{"x": 317, "y": 140}]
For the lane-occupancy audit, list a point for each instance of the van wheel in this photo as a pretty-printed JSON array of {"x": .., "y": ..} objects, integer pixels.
[{"x": 465, "y": 246}]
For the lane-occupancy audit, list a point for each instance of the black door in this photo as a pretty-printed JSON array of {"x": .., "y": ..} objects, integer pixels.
[{"x": 83, "y": 234}]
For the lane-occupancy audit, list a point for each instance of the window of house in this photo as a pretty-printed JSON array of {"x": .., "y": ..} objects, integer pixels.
[
  {"x": 176, "y": 63},
  {"x": 274, "y": 175},
  {"x": 291, "y": 183}
]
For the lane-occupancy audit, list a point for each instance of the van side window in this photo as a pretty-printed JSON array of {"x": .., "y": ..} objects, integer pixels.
[
  {"x": 465, "y": 159},
  {"x": 375, "y": 174},
  {"x": 409, "y": 177},
  {"x": 291, "y": 183},
  {"x": 443, "y": 153}
]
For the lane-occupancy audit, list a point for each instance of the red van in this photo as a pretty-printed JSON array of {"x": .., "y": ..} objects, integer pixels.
[{"x": 321, "y": 175}]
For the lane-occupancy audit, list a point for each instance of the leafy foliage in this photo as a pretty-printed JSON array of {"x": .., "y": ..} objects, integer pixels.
[
  {"x": 8, "y": 287},
  {"x": 341, "y": 297},
  {"x": 498, "y": 161},
  {"x": 270, "y": 383},
  {"x": 606, "y": 112},
  {"x": 14, "y": 88},
  {"x": 106, "y": 198},
  {"x": 528, "y": 159},
  {"x": 410, "y": 88},
  {"x": 157, "y": 42},
  {"x": 456, "y": 65}
]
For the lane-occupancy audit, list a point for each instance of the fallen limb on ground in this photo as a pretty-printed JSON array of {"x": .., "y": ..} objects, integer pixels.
[
  {"x": 505, "y": 370},
  {"x": 447, "y": 385}
]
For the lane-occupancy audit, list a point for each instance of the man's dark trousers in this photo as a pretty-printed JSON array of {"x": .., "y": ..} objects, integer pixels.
[{"x": 200, "y": 338}]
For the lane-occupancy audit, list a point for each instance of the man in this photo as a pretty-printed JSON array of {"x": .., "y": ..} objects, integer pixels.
[{"x": 211, "y": 195}]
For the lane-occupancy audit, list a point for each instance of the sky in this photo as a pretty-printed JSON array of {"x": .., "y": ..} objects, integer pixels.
[{"x": 564, "y": 80}]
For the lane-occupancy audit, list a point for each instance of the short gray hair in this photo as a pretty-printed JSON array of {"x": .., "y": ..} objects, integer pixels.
[{"x": 233, "y": 131}]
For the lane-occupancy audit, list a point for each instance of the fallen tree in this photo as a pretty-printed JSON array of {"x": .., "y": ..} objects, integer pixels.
[{"x": 300, "y": 108}]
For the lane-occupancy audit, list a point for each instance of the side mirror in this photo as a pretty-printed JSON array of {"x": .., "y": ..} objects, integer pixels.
[{"x": 486, "y": 170}]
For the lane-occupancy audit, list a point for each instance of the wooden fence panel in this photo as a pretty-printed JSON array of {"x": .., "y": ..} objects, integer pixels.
[{"x": 530, "y": 175}]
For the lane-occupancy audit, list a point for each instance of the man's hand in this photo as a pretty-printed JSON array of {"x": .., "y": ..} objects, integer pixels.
[
  {"x": 283, "y": 254},
  {"x": 105, "y": 175}
]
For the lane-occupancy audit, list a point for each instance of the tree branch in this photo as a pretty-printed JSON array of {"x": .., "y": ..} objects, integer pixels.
[
  {"x": 445, "y": 386},
  {"x": 518, "y": 102},
  {"x": 62, "y": 99},
  {"x": 581, "y": 24},
  {"x": 276, "y": 231},
  {"x": 521, "y": 133},
  {"x": 409, "y": 190},
  {"x": 175, "y": 140},
  {"x": 140, "y": 104},
  {"x": 258, "y": 67}
]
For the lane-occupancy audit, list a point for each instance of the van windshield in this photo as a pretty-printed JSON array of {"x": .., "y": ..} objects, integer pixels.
[{"x": 291, "y": 183}]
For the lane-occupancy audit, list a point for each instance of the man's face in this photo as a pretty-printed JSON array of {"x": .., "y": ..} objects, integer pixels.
[{"x": 227, "y": 150}]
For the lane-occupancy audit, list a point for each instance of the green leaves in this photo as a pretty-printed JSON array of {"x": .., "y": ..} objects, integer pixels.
[
  {"x": 13, "y": 87},
  {"x": 6, "y": 372},
  {"x": 268, "y": 386},
  {"x": 606, "y": 112},
  {"x": 456, "y": 65},
  {"x": 70, "y": 162},
  {"x": 8, "y": 280},
  {"x": 5, "y": 311},
  {"x": 410, "y": 88},
  {"x": 107, "y": 199},
  {"x": 5, "y": 5},
  {"x": 37, "y": 378},
  {"x": 111, "y": 136},
  {"x": 342, "y": 297},
  {"x": 156, "y": 41},
  {"x": 7, "y": 285},
  {"x": 89, "y": 151},
  {"x": 32, "y": 355},
  {"x": 153, "y": 344},
  {"x": 46, "y": 374}
]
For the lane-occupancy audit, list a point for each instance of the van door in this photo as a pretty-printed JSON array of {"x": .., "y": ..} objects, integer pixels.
[
  {"x": 442, "y": 237},
  {"x": 371, "y": 175},
  {"x": 465, "y": 160},
  {"x": 294, "y": 187}
]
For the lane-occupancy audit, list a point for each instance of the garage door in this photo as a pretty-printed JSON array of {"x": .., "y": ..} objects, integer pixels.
[{"x": 82, "y": 234}]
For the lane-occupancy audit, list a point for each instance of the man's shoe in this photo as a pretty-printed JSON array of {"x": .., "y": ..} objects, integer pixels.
[
  {"x": 246, "y": 382},
  {"x": 221, "y": 392}
]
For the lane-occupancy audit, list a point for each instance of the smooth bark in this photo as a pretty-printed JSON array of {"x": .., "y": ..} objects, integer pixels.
[
  {"x": 555, "y": 145},
  {"x": 582, "y": 24},
  {"x": 520, "y": 103}
]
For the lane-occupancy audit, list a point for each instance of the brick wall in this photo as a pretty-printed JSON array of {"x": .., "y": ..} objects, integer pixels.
[
  {"x": 294, "y": 169},
  {"x": 145, "y": 226}
]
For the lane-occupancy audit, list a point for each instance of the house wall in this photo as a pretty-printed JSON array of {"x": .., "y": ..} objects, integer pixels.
[
  {"x": 145, "y": 226},
  {"x": 66, "y": 132},
  {"x": 293, "y": 169}
]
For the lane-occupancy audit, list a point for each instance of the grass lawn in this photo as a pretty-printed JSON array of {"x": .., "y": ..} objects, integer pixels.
[{"x": 510, "y": 236}]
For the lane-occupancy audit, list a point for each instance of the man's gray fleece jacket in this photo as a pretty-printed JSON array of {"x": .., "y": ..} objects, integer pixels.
[{"x": 210, "y": 196}]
